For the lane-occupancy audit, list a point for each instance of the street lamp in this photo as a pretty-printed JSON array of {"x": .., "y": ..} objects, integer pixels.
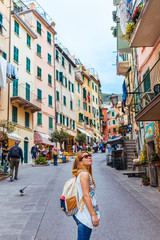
[{"x": 114, "y": 99}]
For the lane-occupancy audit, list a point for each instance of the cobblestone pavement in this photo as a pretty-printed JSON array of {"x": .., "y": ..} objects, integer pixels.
[{"x": 128, "y": 211}]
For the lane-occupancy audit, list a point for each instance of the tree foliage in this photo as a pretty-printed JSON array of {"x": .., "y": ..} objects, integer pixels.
[
  {"x": 59, "y": 136},
  {"x": 5, "y": 128},
  {"x": 81, "y": 138}
]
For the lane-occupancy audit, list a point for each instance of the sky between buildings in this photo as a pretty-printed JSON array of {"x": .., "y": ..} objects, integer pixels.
[{"x": 84, "y": 28}]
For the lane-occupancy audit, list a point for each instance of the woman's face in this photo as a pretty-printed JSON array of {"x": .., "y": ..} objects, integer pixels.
[{"x": 86, "y": 159}]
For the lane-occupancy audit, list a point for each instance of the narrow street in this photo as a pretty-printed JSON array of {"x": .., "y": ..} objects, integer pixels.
[{"x": 37, "y": 214}]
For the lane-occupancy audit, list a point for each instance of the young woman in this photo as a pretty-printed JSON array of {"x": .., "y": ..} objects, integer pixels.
[{"x": 88, "y": 214}]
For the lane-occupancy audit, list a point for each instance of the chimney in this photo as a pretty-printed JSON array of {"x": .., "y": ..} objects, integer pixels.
[
  {"x": 53, "y": 24},
  {"x": 32, "y": 6}
]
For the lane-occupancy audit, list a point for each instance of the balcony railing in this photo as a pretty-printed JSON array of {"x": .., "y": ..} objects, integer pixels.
[
  {"x": 25, "y": 98},
  {"x": 147, "y": 87}
]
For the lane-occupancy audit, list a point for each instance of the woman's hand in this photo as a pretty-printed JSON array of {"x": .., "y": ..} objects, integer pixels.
[{"x": 95, "y": 221}]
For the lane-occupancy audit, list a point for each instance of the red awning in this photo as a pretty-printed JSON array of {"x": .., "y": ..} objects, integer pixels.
[{"x": 42, "y": 138}]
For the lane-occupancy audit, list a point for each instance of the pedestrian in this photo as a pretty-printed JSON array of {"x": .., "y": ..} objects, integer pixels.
[
  {"x": 101, "y": 146},
  {"x": 74, "y": 148},
  {"x": 43, "y": 151},
  {"x": 34, "y": 152},
  {"x": 88, "y": 215},
  {"x": 55, "y": 155},
  {"x": 14, "y": 156}
]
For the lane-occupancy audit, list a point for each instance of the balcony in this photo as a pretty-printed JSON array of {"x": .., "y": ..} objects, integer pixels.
[
  {"x": 122, "y": 65},
  {"x": 147, "y": 30},
  {"x": 24, "y": 98},
  {"x": 122, "y": 44}
]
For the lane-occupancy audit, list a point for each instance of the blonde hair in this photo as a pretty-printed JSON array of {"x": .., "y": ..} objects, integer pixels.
[{"x": 78, "y": 167}]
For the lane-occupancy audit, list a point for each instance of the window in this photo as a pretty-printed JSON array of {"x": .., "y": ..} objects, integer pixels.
[
  {"x": 73, "y": 125},
  {"x": 65, "y": 82},
  {"x": 60, "y": 118},
  {"x": 1, "y": 23},
  {"x": 39, "y": 72},
  {"x": 48, "y": 37},
  {"x": 113, "y": 114},
  {"x": 85, "y": 106},
  {"x": 28, "y": 40},
  {"x": 26, "y": 119},
  {"x": 67, "y": 121},
  {"x": 89, "y": 109},
  {"x": 50, "y": 123},
  {"x": 96, "y": 88},
  {"x": 61, "y": 77},
  {"x": 28, "y": 64},
  {"x": 90, "y": 122},
  {"x": 96, "y": 101},
  {"x": 79, "y": 103},
  {"x": 27, "y": 92},
  {"x": 93, "y": 98},
  {"x": 109, "y": 123},
  {"x": 69, "y": 85},
  {"x": 39, "y": 95},
  {"x": 38, "y": 50},
  {"x": 113, "y": 122},
  {"x": 72, "y": 87},
  {"x": 70, "y": 68},
  {"x": 63, "y": 62},
  {"x": 16, "y": 54},
  {"x": 14, "y": 114},
  {"x": 15, "y": 87},
  {"x": 86, "y": 120},
  {"x": 93, "y": 85},
  {"x": 39, "y": 118},
  {"x": 4, "y": 55},
  {"x": 78, "y": 85},
  {"x": 57, "y": 55},
  {"x": 88, "y": 82},
  {"x": 57, "y": 95},
  {"x": 50, "y": 100},
  {"x": 71, "y": 105},
  {"x": 49, "y": 80},
  {"x": 64, "y": 100},
  {"x": 57, "y": 74},
  {"x": 147, "y": 81},
  {"x": 49, "y": 59},
  {"x": 16, "y": 27},
  {"x": 84, "y": 93},
  {"x": 80, "y": 117},
  {"x": 39, "y": 29},
  {"x": 114, "y": 130}
]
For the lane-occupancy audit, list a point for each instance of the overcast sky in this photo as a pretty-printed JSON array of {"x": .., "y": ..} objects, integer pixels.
[{"x": 84, "y": 28}]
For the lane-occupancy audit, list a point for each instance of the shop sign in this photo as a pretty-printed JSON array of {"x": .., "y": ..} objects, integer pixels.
[{"x": 150, "y": 130}]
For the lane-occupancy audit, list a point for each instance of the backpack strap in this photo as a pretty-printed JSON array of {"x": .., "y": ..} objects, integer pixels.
[{"x": 81, "y": 202}]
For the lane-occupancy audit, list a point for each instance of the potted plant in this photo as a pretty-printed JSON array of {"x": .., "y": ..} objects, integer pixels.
[
  {"x": 114, "y": 31},
  {"x": 145, "y": 180},
  {"x": 41, "y": 160}
]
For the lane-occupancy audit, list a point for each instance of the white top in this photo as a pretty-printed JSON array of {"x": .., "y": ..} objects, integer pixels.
[{"x": 84, "y": 217}]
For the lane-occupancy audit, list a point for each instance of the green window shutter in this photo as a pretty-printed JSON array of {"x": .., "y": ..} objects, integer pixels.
[
  {"x": 71, "y": 105},
  {"x": 78, "y": 87},
  {"x": 63, "y": 120},
  {"x": 57, "y": 55},
  {"x": 14, "y": 114},
  {"x": 50, "y": 123},
  {"x": 147, "y": 81},
  {"x": 39, "y": 29},
  {"x": 15, "y": 87},
  {"x": 93, "y": 85},
  {"x": 39, "y": 118},
  {"x": 84, "y": 93},
  {"x": 90, "y": 122},
  {"x": 80, "y": 117},
  {"x": 89, "y": 109},
  {"x": 96, "y": 88},
  {"x": 38, "y": 50},
  {"x": 114, "y": 130},
  {"x": 16, "y": 54},
  {"x": 70, "y": 68},
  {"x": 57, "y": 95},
  {"x": 57, "y": 75},
  {"x": 64, "y": 100},
  {"x": 16, "y": 27},
  {"x": 56, "y": 117},
  {"x": 83, "y": 77},
  {"x": 72, "y": 87},
  {"x": 27, "y": 92},
  {"x": 49, "y": 80},
  {"x": 28, "y": 64},
  {"x": 69, "y": 87},
  {"x": 48, "y": 37},
  {"x": 113, "y": 122},
  {"x": 49, "y": 59},
  {"x": 63, "y": 61},
  {"x": 61, "y": 77},
  {"x": 28, "y": 40},
  {"x": 1, "y": 19},
  {"x": 4, "y": 55},
  {"x": 96, "y": 100},
  {"x": 79, "y": 103},
  {"x": 113, "y": 114},
  {"x": 39, "y": 94},
  {"x": 73, "y": 125},
  {"x": 65, "y": 82},
  {"x": 88, "y": 82},
  {"x": 27, "y": 119},
  {"x": 50, "y": 100},
  {"x": 67, "y": 122},
  {"x": 39, "y": 72},
  {"x": 60, "y": 118}
]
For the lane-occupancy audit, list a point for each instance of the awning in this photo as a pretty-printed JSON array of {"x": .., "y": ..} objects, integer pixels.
[
  {"x": 15, "y": 136},
  {"x": 118, "y": 140},
  {"x": 85, "y": 132},
  {"x": 151, "y": 111},
  {"x": 42, "y": 138}
]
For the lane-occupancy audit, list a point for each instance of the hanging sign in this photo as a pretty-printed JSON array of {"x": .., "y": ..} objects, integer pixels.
[{"x": 150, "y": 130}]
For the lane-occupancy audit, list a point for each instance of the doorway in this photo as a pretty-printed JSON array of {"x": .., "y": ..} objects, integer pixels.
[{"x": 26, "y": 150}]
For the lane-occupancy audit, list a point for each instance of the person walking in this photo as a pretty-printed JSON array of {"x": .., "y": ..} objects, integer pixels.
[
  {"x": 88, "y": 215},
  {"x": 34, "y": 152},
  {"x": 14, "y": 156},
  {"x": 55, "y": 155}
]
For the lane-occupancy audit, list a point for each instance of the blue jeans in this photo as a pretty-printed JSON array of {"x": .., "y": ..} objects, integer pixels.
[
  {"x": 84, "y": 232},
  {"x": 55, "y": 160}
]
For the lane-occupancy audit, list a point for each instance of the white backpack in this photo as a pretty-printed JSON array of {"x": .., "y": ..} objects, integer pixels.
[{"x": 69, "y": 198}]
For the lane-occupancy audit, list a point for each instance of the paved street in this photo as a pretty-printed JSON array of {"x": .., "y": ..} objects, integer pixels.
[{"x": 128, "y": 211}]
